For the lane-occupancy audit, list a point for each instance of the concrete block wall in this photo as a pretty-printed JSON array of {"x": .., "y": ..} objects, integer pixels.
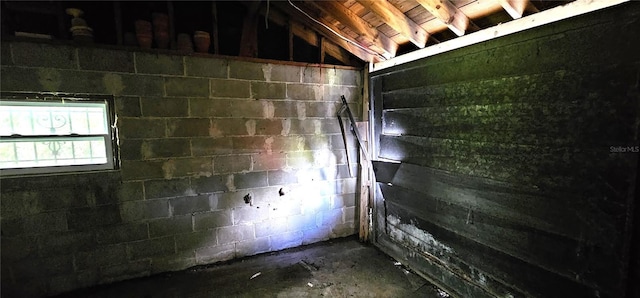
[{"x": 197, "y": 134}]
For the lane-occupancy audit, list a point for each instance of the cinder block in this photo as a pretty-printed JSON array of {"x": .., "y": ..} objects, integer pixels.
[
  {"x": 105, "y": 60},
  {"x": 197, "y": 87},
  {"x": 342, "y": 77},
  {"x": 130, "y": 128},
  {"x": 313, "y": 75},
  {"x": 138, "y": 170},
  {"x": 285, "y": 73},
  {"x": 129, "y": 191},
  {"x": 282, "y": 177},
  {"x": 300, "y": 222},
  {"x": 284, "y": 209},
  {"x": 180, "y": 261},
  {"x": 42, "y": 55},
  {"x": 84, "y": 219},
  {"x": 345, "y": 186},
  {"x": 285, "y": 109},
  {"x": 111, "y": 273},
  {"x": 211, "y": 146},
  {"x": 229, "y": 127},
  {"x": 271, "y": 227},
  {"x": 130, "y": 149},
  {"x": 338, "y": 143},
  {"x": 167, "y": 188},
  {"x": 164, "y": 107},
  {"x": 195, "y": 240},
  {"x": 322, "y": 109},
  {"x": 264, "y": 161},
  {"x": 191, "y": 204},
  {"x": 101, "y": 256},
  {"x": 143, "y": 85},
  {"x": 334, "y": 94},
  {"x": 122, "y": 233},
  {"x": 344, "y": 230},
  {"x": 19, "y": 248},
  {"x": 44, "y": 223},
  {"x": 234, "y": 199},
  {"x": 141, "y": 210},
  {"x": 216, "y": 253},
  {"x": 17, "y": 204},
  {"x": 286, "y": 240},
  {"x": 232, "y": 163},
  {"x": 300, "y": 160},
  {"x": 158, "y": 64},
  {"x": 43, "y": 267},
  {"x": 343, "y": 200},
  {"x": 60, "y": 243},
  {"x": 230, "y": 88},
  {"x": 249, "y": 70},
  {"x": 268, "y": 90},
  {"x": 205, "y": 67},
  {"x": 207, "y": 107},
  {"x": 128, "y": 106},
  {"x": 188, "y": 167},
  {"x": 188, "y": 127},
  {"x": 152, "y": 247},
  {"x": 331, "y": 126},
  {"x": 5, "y": 54},
  {"x": 211, "y": 184},
  {"x": 253, "y": 247},
  {"x": 62, "y": 283},
  {"x": 250, "y": 214},
  {"x": 250, "y": 180},
  {"x": 163, "y": 148},
  {"x": 349, "y": 214},
  {"x": 235, "y": 234},
  {"x": 251, "y": 144},
  {"x": 248, "y": 108},
  {"x": 170, "y": 226},
  {"x": 212, "y": 220},
  {"x": 315, "y": 235},
  {"x": 304, "y": 91},
  {"x": 268, "y": 126}
]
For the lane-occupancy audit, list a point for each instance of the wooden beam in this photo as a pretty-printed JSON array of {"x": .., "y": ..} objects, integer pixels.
[
  {"x": 555, "y": 14},
  {"x": 249, "y": 38},
  {"x": 397, "y": 20},
  {"x": 337, "y": 52},
  {"x": 117, "y": 15},
  {"x": 448, "y": 13},
  {"x": 214, "y": 14},
  {"x": 360, "y": 53},
  {"x": 321, "y": 50},
  {"x": 515, "y": 8},
  {"x": 348, "y": 18},
  {"x": 290, "y": 30}
]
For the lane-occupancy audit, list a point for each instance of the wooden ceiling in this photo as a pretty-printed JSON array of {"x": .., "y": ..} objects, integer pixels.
[{"x": 377, "y": 30}]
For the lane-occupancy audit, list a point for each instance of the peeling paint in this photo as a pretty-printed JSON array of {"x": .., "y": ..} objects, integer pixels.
[
  {"x": 416, "y": 237},
  {"x": 286, "y": 127},
  {"x": 317, "y": 127},
  {"x": 251, "y": 127},
  {"x": 268, "y": 142},
  {"x": 301, "y": 109},
  {"x": 168, "y": 168},
  {"x": 268, "y": 109},
  {"x": 214, "y": 131},
  {"x": 113, "y": 83},
  {"x": 266, "y": 72},
  {"x": 230, "y": 183}
]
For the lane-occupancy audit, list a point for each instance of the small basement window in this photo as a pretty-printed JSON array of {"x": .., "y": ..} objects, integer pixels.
[{"x": 53, "y": 134}]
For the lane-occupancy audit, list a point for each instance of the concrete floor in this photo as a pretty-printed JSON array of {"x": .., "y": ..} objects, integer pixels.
[{"x": 337, "y": 268}]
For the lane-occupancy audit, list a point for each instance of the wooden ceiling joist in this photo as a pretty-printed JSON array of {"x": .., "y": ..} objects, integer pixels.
[
  {"x": 515, "y": 8},
  {"x": 397, "y": 20},
  {"x": 356, "y": 51},
  {"x": 448, "y": 13},
  {"x": 348, "y": 18}
]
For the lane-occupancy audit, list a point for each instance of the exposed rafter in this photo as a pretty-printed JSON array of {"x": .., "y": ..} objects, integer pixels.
[
  {"x": 364, "y": 55},
  {"x": 397, "y": 20},
  {"x": 448, "y": 13},
  {"x": 348, "y": 18},
  {"x": 515, "y": 8}
]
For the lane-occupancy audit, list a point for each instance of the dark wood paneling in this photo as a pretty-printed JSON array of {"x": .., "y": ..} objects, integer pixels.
[{"x": 509, "y": 154}]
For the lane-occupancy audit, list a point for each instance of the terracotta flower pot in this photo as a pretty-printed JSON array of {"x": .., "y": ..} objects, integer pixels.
[
  {"x": 162, "y": 39},
  {"x": 202, "y": 40},
  {"x": 184, "y": 43},
  {"x": 144, "y": 40},
  {"x": 160, "y": 21},
  {"x": 143, "y": 26}
]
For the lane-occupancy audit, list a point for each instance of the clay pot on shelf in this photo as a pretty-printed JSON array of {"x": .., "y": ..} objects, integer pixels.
[
  {"x": 184, "y": 43},
  {"x": 161, "y": 30},
  {"x": 143, "y": 34},
  {"x": 202, "y": 40},
  {"x": 79, "y": 29}
]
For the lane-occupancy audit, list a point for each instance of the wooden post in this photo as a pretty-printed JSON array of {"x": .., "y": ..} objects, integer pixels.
[
  {"x": 290, "y": 23},
  {"x": 214, "y": 13},
  {"x": 172, "y": 27},
  {"x": 117, "y": 12},
  {"x": 321, "y": 49}
]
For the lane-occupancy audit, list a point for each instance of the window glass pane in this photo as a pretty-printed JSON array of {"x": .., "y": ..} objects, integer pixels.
[
  {"x": 57, "y": 151},
  {"x": 53, "y": 118}
]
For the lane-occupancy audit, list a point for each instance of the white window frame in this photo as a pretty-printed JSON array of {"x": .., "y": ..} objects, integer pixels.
[{"x": 109, "y": 139}]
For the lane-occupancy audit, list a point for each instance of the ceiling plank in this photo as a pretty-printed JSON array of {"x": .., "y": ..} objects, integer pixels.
[
  {"x": 397, "y": 20},
  {"x": 348, "y": 18},
  {"x": 358, "y": 52},
  {"x": 515, "y": 8},
  {"x": 447, "y": 13}
]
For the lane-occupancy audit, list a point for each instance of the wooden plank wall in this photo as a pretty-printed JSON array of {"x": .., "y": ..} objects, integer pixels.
[{"x": 518, "y": 160}]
